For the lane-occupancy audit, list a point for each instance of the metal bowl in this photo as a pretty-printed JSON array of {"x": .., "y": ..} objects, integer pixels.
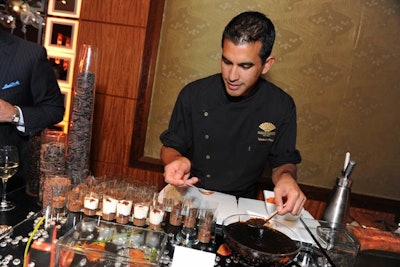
[{"x": 259, "y": 246}]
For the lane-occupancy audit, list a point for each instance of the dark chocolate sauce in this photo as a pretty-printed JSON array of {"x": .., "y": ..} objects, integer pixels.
[{"x": 262, "y": 238}]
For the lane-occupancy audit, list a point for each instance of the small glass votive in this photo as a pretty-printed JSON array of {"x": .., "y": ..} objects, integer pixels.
[
  {"x": 91, "y": 203},
  {"x": 156, "y": 217},
  {"x": 124, "y": 207},
  {"x": 206, "y": 226},
  {"x": 168, "y": 200},
  {"x": 140, "y": 212},
  {"x": 190, "y": 208},
  {"x": 188, "y": 234},
  {"x": 74, "y": 200},
  {"x": 339, "y": 243},
  {"x": 175, "y": 217},
  {"x": 58, "y": 201},
  {"x": 109, "y": 208},
  {"x": 207, "y": 220}
]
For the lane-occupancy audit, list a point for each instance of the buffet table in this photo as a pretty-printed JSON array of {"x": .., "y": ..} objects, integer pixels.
[{"x": 12, "y": 247}]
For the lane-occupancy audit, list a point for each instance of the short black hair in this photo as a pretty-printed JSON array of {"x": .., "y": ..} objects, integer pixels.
[{"x": 250, "y": 27}]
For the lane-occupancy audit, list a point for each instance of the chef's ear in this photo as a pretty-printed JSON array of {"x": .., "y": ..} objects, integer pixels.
[{"x": 268, "y": 64}]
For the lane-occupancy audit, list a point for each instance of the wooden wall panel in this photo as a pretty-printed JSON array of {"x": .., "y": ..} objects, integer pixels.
[
  {"x": 120, "y": 50},
  {"x": 315, "y": 208},
  {"x": 112, "y": 129},
  {"x": 127, "y": 12},
  {"x": 118, "y": 30}
]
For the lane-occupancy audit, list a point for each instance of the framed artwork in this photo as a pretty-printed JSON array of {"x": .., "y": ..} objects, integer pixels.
[
  {"x": 67, "y": 102},
  {"x": 65, "y": 8},
  {"x": 63, "y": 66},
  {"x": 61, "y": 34}
]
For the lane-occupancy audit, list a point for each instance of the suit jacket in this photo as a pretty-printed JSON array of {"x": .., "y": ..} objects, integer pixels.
[{"x": 28, "y": 81}]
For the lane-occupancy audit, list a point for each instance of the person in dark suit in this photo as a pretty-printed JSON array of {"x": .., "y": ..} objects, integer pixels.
[{"x": 30, "y": 98}]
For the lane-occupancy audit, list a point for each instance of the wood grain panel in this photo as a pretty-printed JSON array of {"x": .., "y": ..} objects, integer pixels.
[
  {"x": 370, "y": 218},
  {"x": 149, "y": 60},
  {"x": 315, "y": 208},
  {"x": 128, "y": 12},
  {"x": 112, "y": 129},
  {"x": 120, "y": 50}
]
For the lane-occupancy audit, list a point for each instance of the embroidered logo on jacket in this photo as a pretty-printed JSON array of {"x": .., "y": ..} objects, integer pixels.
[
  {"x": 267, "y": 132},
  {"x": 10, "y": 85}
]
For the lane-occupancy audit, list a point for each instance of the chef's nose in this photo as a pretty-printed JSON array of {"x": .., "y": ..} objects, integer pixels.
[{"x": 234, "y": 73}]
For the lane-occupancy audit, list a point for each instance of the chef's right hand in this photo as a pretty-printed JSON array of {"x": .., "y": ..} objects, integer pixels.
[{"x": 177, "y": 172}]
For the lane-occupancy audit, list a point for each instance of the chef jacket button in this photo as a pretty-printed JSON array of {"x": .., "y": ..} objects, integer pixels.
[
  {"x": 208, "y": 157},
  {"x": 205, "y": 113},
  {"x": 206, "y": 136},
  {"x": 208, "y": 176}
]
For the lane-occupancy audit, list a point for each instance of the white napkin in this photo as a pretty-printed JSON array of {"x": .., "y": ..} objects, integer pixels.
[
  {"x": 184, "y": 257},
  {"x": 263, "y": 208},
  {"x": 227, "y": 204}
]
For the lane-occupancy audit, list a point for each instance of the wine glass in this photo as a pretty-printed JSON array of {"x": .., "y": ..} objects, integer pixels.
[{"x": 8, "y": 167}]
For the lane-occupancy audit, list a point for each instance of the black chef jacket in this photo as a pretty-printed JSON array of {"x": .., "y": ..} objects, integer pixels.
[{"x": 230, "y": 140}]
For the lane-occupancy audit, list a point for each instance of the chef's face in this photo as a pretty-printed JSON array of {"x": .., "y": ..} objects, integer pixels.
[{"x": 241, "y": 66}]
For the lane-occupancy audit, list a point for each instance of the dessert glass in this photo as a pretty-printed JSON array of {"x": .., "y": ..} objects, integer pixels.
[{"x": 91, "y": 203}]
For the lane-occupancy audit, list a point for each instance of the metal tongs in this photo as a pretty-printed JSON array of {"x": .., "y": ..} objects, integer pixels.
[{"x": 318, "y": 244}]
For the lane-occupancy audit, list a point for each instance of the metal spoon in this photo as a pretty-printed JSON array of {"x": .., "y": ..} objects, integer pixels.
[{"x": 202, "y": 190}]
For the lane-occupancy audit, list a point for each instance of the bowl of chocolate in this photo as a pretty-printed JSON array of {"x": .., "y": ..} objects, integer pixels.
[{"x": 255, "y": 243}]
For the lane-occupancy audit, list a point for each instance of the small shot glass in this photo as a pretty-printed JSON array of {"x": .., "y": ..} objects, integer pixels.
[
  {"x": 91, "y": 203},
  {"x": 175, "y": 217},
  {"x": 207, "y": 221},
  {"x": 58, "y": 200},
  {"x": 109, "y": 208},
  {"x": 74, "y": 200},
  {"x": 187, "y": 236},
  {"x": 190, "y": 209},
  {"x": 156, "y": 217},
  {"x": 140, "y": 212},
  {"x": 124, "y": 208}
]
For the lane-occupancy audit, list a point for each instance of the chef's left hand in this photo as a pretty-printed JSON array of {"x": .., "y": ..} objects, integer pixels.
[{"x": 287, "y": 192}]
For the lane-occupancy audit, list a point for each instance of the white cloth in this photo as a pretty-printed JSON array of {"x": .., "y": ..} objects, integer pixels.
[{"x": 228, "y": 205}]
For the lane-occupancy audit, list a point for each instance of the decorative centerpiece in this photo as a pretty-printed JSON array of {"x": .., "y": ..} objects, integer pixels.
[{"x": 80, "y": 128}]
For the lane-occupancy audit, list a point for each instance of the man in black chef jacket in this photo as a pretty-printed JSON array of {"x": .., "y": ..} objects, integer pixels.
[{"x": 226, "y": 127}]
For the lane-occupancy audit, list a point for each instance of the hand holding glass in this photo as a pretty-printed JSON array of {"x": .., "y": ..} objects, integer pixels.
[{"x": 8, "y": 167}]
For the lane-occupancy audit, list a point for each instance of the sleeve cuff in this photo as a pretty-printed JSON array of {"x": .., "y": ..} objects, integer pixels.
[{"x": 21, "y": 124}]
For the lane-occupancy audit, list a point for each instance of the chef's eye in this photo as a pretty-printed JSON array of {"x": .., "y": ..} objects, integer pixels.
[
  {"x": 226, "y": 61},
  {"x": 246, "y": 66}
]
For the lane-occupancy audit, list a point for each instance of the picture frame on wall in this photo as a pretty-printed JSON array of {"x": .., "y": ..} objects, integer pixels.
[
  {"x": 63, "y": 66},
  {"x": 67, "y": 8},
  {"x": 61, "y": 34}
]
